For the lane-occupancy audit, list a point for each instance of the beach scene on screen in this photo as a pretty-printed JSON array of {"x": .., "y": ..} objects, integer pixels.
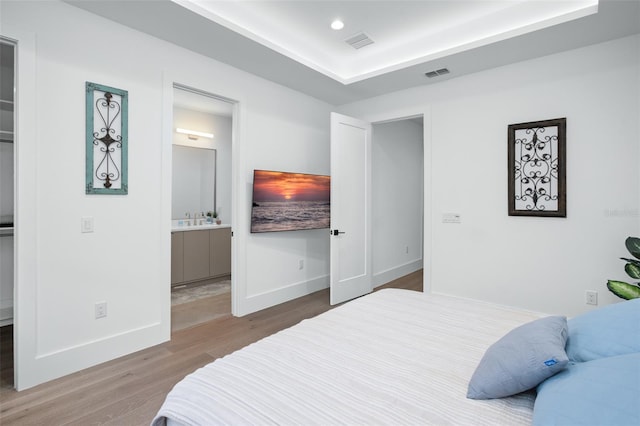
[{"x": 284, "y": 201}]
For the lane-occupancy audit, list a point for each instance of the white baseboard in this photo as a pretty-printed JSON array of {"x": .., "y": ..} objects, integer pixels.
[
  {"x": 284, "y": 294},
  {"x": 48, "y": 366},
  {"x": 396, "y": 272}
]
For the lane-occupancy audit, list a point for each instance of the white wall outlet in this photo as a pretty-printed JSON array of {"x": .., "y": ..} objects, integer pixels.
[
  {"x": 86, "y": 224},
  {"x": 591, "y": 297},
  {"x": 101, "y": 309},
  {"x": 301, "y": 264}
]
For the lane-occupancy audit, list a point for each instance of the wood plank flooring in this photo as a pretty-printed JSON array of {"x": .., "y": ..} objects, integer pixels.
[
  {"x": 130, "y": 390},
  {"x": 203, "y": 310}
]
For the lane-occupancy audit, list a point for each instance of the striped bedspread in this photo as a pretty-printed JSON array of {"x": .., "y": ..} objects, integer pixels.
[{"x": 393, "y": 357}]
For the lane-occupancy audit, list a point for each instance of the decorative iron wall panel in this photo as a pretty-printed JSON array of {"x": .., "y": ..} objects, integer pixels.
[
  {"x": 106, "y": 140},
  {"x": 537, "y": 175}
]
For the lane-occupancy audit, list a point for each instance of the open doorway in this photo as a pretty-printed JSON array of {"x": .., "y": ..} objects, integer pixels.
[
  {"x": 378, "y": 211},
  {"x": 202, "y": 135},
  {"x": 397, "y": 198},
  {"x": 7, "y": 209}
]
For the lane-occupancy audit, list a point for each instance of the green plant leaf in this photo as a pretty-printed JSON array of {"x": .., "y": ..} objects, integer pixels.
[
  {"x": 633, "y": 245},
  {"x": 633, "y": 270},
  {"x": 623, "y": 290},
  {"x": 634, "y": 261}
]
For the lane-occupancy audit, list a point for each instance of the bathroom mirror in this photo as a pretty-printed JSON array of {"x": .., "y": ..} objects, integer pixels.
[
  {"x": 201, "y": 159},
  {"x": 194, "y": 181}
]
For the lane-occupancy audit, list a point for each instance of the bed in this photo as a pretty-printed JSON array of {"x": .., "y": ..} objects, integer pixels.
[{"x": 391, "y": 357}]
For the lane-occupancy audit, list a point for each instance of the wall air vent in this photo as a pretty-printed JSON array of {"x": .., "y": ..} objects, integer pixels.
[
  {"x": 436, "y": 73},
  {"x": 358, "y": 41}
]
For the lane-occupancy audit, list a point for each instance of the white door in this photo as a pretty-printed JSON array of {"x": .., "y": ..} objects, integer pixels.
[{"x": 351, "y": 272}]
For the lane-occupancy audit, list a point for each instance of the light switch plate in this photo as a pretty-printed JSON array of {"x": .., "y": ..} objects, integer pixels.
[
  {"x": 86, "y": 224},
  {"x": 451, "y": 218}
]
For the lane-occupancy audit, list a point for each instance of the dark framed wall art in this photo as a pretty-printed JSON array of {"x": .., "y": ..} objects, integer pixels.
[
  {"x": 106, "y": 140},
  {"x": 537, "y": 175}
]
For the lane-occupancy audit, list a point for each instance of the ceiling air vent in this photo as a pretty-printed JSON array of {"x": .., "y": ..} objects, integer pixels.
[
  {"x": 359, "y": 40},
  {"x": 436, "y": 73}
]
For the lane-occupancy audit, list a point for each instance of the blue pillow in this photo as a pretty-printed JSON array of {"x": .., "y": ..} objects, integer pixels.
[
  {"x": 601, "y": 392},
  {"x": 521, "y": 359},
  {"x": 608, "y": 331}
]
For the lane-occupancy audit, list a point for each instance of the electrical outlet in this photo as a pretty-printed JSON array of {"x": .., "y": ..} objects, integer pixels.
[
  {"x": 591, "y": 297},
  {"x": 406, "y": 249},
  {"x": 301, "y": 264},
  {"x": 101, "y": 310}
]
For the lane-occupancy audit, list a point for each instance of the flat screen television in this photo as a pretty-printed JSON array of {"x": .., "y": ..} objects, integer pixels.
[{"x": 284, "y": 201}]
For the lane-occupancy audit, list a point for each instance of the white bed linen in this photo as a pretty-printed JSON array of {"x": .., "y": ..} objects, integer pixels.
[{"x": 393, "y": 357}]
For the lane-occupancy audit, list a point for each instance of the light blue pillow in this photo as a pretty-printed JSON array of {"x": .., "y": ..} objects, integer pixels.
[
  {"x": 521, "y": 359},
  {"x": 601, "y": 392},
  {"x": 607, "y": 331}
]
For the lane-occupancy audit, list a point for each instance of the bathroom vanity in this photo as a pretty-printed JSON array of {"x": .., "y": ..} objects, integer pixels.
[{"x": 200, "y": 252}]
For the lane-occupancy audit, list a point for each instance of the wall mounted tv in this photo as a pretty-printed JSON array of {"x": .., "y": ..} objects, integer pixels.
[{"x": 284, "y": 201}]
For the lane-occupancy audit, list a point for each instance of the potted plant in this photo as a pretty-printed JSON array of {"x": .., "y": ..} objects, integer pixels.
[
  {"x": 632, "y": 268},
  {"x": 216, "y": 218}
]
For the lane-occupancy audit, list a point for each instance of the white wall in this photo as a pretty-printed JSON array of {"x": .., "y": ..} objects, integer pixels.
[
  {"x": 544, "y": 264},
  {"x": 62, "y": 273},
  {"x": 397, "y": 181}
]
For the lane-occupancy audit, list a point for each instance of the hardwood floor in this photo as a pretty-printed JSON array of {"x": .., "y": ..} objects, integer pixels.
[
  {"x": 203, "y": 310},
  {"x": 130, "y": 390}
]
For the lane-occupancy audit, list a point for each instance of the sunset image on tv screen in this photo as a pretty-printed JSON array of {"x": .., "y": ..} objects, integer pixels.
[{"x": 285, "y": 201}]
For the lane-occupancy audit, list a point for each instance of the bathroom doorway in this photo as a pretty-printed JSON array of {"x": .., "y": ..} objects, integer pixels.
[{"x": 201, "y": 258}]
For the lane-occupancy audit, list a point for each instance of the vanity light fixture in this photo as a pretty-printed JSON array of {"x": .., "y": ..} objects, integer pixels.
[{"x": 193, "y": 134}]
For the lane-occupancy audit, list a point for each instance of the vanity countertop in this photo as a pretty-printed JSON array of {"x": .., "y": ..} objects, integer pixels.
[{"x": 184, "y": 228}]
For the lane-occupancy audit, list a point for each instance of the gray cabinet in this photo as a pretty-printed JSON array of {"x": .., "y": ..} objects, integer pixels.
[
  {"x": 200, "y": 254},
  {"x": 177, "y": 257},
  {"x": 220, "y": 252},
  {"x": 196, "y": 255}
]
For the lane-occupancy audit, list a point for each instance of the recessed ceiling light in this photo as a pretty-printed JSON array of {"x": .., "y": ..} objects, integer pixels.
[{"x": 337, "y": 24}]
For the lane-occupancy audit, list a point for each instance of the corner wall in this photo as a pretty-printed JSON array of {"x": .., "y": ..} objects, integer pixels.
[
  {"x": 543, "y": 264},
  {"x": 60, "y": 272}
]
